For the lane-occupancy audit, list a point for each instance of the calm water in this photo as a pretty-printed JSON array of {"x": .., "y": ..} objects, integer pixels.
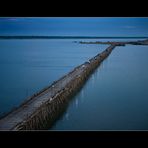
[
  {"x": 114, "y": 97},
  {"x": 27, "y": 66}
]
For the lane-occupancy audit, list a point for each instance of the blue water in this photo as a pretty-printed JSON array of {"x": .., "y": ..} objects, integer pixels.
[
  {"x": 113, "y": 98},
  {"x": 27, "y": 66}
]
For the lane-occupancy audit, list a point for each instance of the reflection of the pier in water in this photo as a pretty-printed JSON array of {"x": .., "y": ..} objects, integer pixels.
[
  {"x": 67, "y": 116},
  {"x": 93, "y": 79},
  {"x": 76, "y": 103},
  {"x": 95, "y": 76},
  {"x": 80, "y": 97}
]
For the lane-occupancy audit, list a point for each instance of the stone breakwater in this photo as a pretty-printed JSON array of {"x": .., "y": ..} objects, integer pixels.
[
  {"x": 45, "y": 106},
  {"x": 140, "y": 42}
]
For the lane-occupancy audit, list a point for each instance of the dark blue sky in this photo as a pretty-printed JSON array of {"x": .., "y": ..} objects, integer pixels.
[{"x": 74, "y": 26}]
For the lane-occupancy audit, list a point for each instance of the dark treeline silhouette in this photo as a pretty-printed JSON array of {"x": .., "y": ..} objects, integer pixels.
[{"x": 57, "y": 37}]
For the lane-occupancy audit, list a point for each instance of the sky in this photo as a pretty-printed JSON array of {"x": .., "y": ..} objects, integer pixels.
[{"x": 74, "y": 26}]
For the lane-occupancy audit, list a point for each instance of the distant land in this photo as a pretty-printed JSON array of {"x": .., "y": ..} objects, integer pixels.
[{"x": 62, "y": 37}]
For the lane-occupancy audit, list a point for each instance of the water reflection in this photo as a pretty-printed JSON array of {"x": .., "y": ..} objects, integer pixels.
[
  {"x": 82, "y": 95},
  {"x": 76, "y": 102},
  {"x": 93, "y": 80},
  {"x": 37, "y": 66},
  {"x": 67, "y": 116},
  {"x": 115, "y": 95}
]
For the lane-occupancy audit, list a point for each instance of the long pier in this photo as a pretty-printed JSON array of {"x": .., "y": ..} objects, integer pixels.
[{"x": 44, "y": 106}]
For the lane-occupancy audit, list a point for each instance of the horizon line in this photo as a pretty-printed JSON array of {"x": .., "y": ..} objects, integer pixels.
[{"x": 66, "y": 36}]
